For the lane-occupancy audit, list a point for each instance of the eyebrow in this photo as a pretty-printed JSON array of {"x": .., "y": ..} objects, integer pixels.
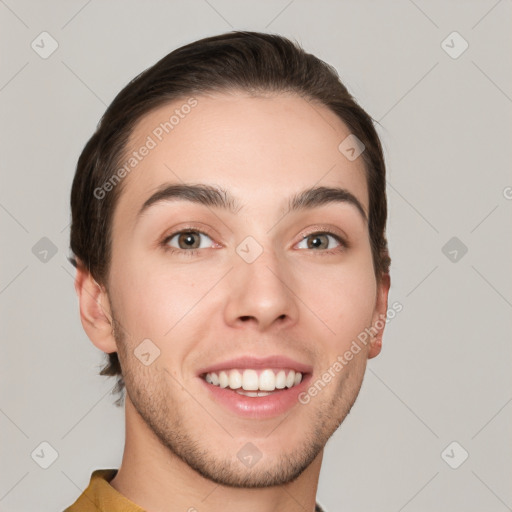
[{"x": 218, "y": 197}]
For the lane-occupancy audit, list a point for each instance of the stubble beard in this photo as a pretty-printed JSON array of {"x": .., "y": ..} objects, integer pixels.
[{"x": 150, "y": 393}]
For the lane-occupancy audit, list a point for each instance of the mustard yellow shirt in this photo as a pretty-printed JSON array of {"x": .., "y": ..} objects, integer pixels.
[{"x": 100, "y": 496}]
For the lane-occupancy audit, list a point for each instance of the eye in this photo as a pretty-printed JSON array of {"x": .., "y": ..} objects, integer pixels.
[
  {"x": 321, "y": 240},
  {"x": 186, "y": 240}
]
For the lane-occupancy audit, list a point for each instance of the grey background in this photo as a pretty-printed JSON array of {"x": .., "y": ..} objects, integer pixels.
[{"x": 444, "y": 373}]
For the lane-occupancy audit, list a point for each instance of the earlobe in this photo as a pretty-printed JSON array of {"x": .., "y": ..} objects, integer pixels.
[
  {"x": 95, "y": 312},
  {"x": 379, "y": 316}
]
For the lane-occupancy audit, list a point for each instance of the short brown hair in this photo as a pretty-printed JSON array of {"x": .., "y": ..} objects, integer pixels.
[{"x": 240, "y": 61}]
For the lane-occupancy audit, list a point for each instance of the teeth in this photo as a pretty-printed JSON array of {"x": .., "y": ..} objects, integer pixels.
[
  {"x": 281, "y": 380},
  {"x": 235, "y": 379},
  {"x": 215, "y": 379},
  {"x": 252, "y": 393},
  {"x": 290, "y": 380},
  {"x": 267, "y": 380},
  {"x": 223, "y": 380},
  {"x": 249, "y": 383},
  {"x": 250, "y": 380}
]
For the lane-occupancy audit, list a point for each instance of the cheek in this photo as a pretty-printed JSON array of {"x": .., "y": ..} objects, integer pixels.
[
  {"x": 156, "y": 301},
  {"x": 342, "y": 297}
]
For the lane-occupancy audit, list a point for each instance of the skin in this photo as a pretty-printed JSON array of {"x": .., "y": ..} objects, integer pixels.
[{"x": 181, "y": 446}]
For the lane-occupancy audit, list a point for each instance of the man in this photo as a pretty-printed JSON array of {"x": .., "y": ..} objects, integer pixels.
[{"x": 228, "y": 229}]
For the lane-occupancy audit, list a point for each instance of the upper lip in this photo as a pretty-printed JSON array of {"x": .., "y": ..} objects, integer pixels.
[{"x": 274, "y": 361}]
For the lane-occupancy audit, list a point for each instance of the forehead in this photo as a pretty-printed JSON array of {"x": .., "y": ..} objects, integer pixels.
[{"x": 262, "y": 149}]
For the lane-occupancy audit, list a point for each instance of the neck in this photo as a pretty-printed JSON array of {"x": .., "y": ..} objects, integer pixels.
[{"x": 154, "y": 478}]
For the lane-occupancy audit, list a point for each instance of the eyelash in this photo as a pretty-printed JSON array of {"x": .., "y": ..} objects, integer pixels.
[
  {"x": 192, "y": 252},
  {"x": 181, "y": 252}
]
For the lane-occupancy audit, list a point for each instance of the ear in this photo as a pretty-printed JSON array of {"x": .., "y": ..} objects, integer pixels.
[
  {"x": 379, "y": 316},
  {"x": 95, "y": 312}
]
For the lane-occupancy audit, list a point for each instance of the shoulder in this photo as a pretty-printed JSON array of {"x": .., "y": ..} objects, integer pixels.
[{"x": 97, "y": 493}]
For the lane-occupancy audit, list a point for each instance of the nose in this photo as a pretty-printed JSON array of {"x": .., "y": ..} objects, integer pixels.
[{"x": 261, "y": 293}]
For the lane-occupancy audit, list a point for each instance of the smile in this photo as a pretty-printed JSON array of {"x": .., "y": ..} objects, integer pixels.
[
  {"x": 256, "y": 403},
  {"x": 254, "y": 382}
]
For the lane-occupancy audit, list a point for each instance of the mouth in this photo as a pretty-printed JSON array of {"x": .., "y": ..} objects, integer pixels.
[
  {"x": 256, "y": 388},
  {"x": 254, "y": 382}
]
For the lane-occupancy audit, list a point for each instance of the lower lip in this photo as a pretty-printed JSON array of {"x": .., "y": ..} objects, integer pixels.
[{"x": 268, "y": 406}]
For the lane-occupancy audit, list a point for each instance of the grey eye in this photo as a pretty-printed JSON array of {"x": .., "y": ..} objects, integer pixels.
[
  {"x": 188, "y": 240},
  {"x": 318, "y": 241}
]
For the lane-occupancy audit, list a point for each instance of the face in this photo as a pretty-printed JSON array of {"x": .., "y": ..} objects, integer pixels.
[{"x": 195, "y": 284}]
